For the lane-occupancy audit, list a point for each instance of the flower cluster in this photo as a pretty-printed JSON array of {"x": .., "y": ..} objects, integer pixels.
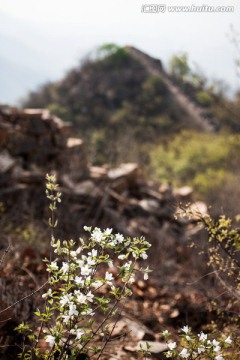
[
  {"x": 78, "y": 273},
  {"x": 198, "y": 346},
  {"x": 87, "y": 279}
]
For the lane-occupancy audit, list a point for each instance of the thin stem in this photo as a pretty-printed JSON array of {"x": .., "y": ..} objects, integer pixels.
[
  {"x": 5, "y": 252},
  {"x": 112, "y": 309},
  {"x": 25, "y": 297},
  {"x": 109, "y": 336}
]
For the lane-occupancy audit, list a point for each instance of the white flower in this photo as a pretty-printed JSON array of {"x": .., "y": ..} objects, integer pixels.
[
  {"x": 119, "y": 238},
  {"x": 127, "y": 265},
  {"x": 109, "y": 278},
  {"x": 202, "y": 336},
  {"x": 185, "y": 329},
  {"x": 65, "y": 267},
  {"x": 108, "y": 231},
  {"x": 79, "y": 333},
  {"x": 112, "y": 243},
  {"x": 90, "y": 296},
  {"x": 53, "y": 265},
  {"x": 75, "y": 253},
  {"x": 72, "y": 309},
  {"x": 93, "y": 253},
  {"x": 184, "y": 354},
  {"x": 168, "y": 354},
  {"x": 47, "y": 294},
  {"x": 91, "y": 261},
  {"x": 166, "y": 333},
  {"x": 79, "y": 280},
  {"x": 85, "y": 270},
  {"x": 201, "y": 349},
  {"x": 146, "y": 271},
  {"x": 80, "y": 262},
  {"x": 87, "y": 228},
  {"x": 228, "y": 340},
  {"x": 88, "y": 312},
  {"x": 121, "y": 257},
  {"x": 110, "y": 264},
  {"x": 97, "y": 235},
  {"x": 66, "y": 318},
  {"x": 144, "y": 256},
  {"x": 217, "y": 349},
  {"x": 172, "y": 345},
  {"x": 209, "y": 344},
  {"x": 188, "y": 338},
  {"x": 81, "y": 298},
  {"x": 219, "y": 357},
  {"x": 66, "y": 299},
  {"x": 131, "y": 279},
  {"x": 96, "y": 284},
  {"x": 50, "y": 339}
]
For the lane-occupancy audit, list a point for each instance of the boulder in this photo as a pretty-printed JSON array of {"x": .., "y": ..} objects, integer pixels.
[
  {"x": 183, "y": 193},
  {"x": 7, "y": 162},
  {"x": 139, "y": 331},
  {"x": 154, "y": 347},
  {"x": 129, "y": 171}
]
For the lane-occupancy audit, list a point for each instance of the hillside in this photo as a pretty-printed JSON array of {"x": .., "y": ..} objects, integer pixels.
[
  {"x": 177, "y": 126},
  {"x": 118, "y": 90}
]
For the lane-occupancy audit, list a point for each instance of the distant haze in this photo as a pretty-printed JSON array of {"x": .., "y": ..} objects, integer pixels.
[{"x": 41, "y": 40}]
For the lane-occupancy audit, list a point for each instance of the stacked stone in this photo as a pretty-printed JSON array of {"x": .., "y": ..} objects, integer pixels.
[{"x": 34, "y": 141}]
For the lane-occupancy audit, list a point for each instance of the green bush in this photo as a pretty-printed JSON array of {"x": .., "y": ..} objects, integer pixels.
[
  {"x": 204, "y": 98},
  {"x": 204, "y": 161},
  {"x": 59, "y": 110},
  {"x": 179, "y": 66},
  {"x": 112, "y": 54}
]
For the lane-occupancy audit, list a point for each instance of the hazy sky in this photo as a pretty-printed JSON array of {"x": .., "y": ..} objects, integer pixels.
[{"x": 63, "y": 31}]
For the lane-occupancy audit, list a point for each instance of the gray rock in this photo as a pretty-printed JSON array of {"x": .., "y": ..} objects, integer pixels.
[
  {"x": 155, "y": 346},
  {"x": 7, "y": 162},
  {"x": 139, "y": 331}
]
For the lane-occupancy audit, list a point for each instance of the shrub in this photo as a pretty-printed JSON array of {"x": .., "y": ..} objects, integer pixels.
[
  {"x": 223, "y": 253},
  {"x": 204, "y": 98},
  {"x": 199, "y": 346},
  {"x": 112, "y": 54},
  {"x": 202, "y": 160},
  {"x": 179, "y": 66},
  {"x": 84, "y": 293}
]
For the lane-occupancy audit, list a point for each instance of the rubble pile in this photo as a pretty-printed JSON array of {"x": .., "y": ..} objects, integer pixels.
[{"x": 34, "y": 142}]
